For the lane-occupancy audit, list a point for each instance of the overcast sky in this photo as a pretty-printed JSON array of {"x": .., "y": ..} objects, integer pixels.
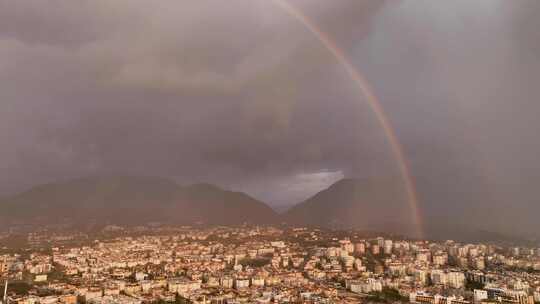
[{"x": 240, "y": 94}]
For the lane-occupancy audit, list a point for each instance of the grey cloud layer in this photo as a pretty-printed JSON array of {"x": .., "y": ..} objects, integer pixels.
[{"x": 205, "y": 91}]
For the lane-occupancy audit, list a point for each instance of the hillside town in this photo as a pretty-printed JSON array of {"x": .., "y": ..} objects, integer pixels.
[{"x": 263, "y": 265}]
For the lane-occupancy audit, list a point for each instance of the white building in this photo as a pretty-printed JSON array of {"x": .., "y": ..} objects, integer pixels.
[
  {"x": 438, "y": 277},
  {"x": 479, "y": 295},
  {"x": 365, "y": 286},
  {"x": 257, "y": 281},
  {"x": 241, "y": 283},
  {"x": 226, "y": 282},
  {"x": 456, "y": 279},
  {"x": 388, "y": 244}
]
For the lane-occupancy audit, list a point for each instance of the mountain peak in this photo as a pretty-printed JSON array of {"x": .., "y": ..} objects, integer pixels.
[{"x": 355, "y": 203}]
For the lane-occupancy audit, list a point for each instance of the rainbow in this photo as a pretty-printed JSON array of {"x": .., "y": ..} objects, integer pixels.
[{"x": 374, "y": 104}]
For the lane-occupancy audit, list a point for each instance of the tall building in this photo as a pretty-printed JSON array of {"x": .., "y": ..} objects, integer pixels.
[
  {"x": 440, "y": 259},
  {"x": 453, "y": 251},
  {"x": 438, "y": 277},
  {"x": 536, "y": 296},
  {"x": 423, "y": 256},
  {"x": 380, "y": 241},
  {"x": 375, "y": 249},
  {"x": 480, "y": 263},
  {"x": 388, "y": 246},
  {"x": 421, "y": 276},
  {"x": 347, "y": 246},
  {"x": 360, "y": 248},
  {"x": 456, "y": 279},
  {"x": 4, "y": 266}
]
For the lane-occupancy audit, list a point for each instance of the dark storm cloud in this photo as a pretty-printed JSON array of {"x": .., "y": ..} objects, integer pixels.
[
  {"x": 196, "y": 91},
  {"x": 242, "y": 95}
]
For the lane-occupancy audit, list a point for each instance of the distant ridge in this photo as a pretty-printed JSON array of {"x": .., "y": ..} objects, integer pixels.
[{"x": 132, "y": 200}]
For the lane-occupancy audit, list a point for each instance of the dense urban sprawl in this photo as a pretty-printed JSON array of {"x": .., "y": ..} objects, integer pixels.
[{"x": 264, "y": 265}]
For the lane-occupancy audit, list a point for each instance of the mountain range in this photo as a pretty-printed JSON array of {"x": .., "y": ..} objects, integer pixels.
[
  {"x": 133, "y": 201},
  {"x": 366, "y": 204}
]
